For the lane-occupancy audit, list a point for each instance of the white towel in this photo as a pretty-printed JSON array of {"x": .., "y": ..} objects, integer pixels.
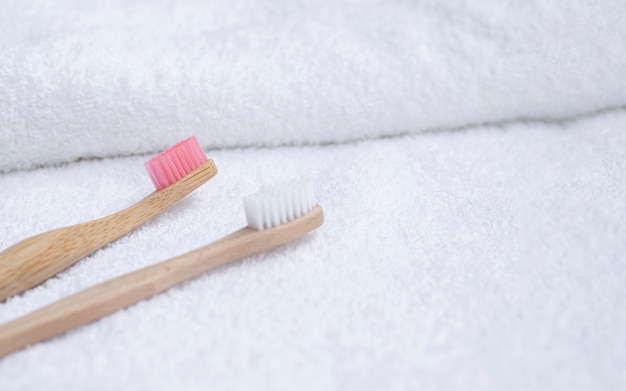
[
  {"x": 126, "y": 77},
  {"x": 491, "y": 259}
]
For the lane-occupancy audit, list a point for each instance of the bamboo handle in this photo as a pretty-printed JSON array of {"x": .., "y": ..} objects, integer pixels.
[
  {"x": 105, "y": 298},
  {"x": 34, "y": 260}
]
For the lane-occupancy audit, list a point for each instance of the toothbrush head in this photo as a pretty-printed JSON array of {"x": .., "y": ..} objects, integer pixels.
[
  {"x": 175, "y": 163},
  {"x": 276, "y": 205}
]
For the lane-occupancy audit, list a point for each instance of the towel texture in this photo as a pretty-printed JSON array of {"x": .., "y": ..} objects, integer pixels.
[
  {"x": 487, "y": 260},
  {"x": 490, "y": 257},
  {"x": 126, "y": 77}
]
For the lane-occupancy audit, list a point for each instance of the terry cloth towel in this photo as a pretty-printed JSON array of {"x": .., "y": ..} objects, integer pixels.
[
  {"x": 124, "y": 77},
  {"x": 487, "y": 259},
  {"x": 470, "y": 159}
]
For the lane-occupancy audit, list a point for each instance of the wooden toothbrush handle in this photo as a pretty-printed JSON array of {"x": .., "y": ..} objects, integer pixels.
[
  {"x": 34, "y": 260},
  {"x": 105, "y": 298}
]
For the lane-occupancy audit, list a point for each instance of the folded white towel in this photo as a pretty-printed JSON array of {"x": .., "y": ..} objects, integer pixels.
[{"x": 123, "y": 77}]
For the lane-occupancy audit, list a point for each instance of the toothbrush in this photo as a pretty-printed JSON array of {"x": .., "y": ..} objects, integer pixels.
[
  {"x": 175, "y": 173},
  {"x": 275, "y": 217}
]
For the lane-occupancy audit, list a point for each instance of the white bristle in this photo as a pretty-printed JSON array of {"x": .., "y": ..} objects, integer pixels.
[{"x": 273, "y": 206}]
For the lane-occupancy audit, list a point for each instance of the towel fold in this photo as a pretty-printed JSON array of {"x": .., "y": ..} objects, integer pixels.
[{"x": 126, "y": 77}]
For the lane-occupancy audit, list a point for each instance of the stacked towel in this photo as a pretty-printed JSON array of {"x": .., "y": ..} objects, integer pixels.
[{"x": 126, "y": 77}]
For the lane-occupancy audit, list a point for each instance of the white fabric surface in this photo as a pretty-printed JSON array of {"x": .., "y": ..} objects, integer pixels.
[
  {"x": 124, "y": 77},
  {"x": 487, "y": 259},
  {"x": 475, "y": 257}
]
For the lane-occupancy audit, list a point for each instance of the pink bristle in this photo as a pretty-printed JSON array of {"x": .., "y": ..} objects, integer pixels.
[
  {"x": 184, "y": 164},
  {"x": 176, "y": 172},
  {"x": 175, "y": 163}
]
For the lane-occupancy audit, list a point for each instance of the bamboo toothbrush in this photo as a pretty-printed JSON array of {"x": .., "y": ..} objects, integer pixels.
[
  {"x": 275, "y": 216},
  {"x": 175, "y": 173}
]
